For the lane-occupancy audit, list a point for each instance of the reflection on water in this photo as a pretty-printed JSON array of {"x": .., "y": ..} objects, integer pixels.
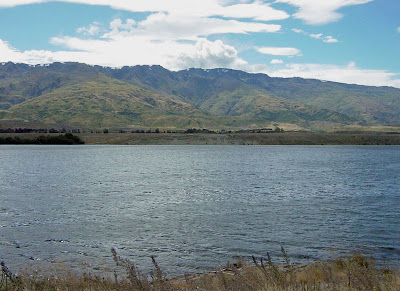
[{"x": 195, "y": 207}]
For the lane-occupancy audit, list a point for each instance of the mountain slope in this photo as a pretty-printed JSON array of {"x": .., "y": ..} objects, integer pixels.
[
  {"x": 103, "y": 103},
  {"x": 80, "y": 95},
  {"x": 371, "y": 105},
  {"x": 20, "y": 82},
  {"x": 368, "y": 105}
]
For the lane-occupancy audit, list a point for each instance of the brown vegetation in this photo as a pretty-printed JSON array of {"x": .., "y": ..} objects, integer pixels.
[
  {"x": 285, "y": 138},
  {"x": 352, "y": 273}
]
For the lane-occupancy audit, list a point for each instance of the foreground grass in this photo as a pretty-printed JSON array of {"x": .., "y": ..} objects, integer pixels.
[{"x": 352, "y": 273}]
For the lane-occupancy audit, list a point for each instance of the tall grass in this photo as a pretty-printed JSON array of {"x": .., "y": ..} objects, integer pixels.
[{"x": 356, "y": 272}]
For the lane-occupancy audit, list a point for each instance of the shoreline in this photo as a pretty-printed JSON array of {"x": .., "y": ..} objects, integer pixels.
[
  {"x": 283, "y": 138},
  {"x": 355, "y": 272}
]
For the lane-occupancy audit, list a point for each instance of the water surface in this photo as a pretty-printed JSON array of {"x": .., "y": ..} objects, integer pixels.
[{"x": 194, "y": 207}]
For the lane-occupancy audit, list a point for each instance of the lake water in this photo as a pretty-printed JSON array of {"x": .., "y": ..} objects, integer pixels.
[{"x": 196, "y": 207}]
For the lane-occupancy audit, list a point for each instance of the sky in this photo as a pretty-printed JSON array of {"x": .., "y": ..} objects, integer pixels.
[{"x": 348, "y": 41}]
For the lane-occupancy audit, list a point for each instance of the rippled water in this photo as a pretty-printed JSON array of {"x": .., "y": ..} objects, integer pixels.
[{"x": 194, "y": 207}]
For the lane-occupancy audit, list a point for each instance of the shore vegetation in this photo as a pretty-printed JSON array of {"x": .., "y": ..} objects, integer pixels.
[
  {"x": 356, "y": 272},
  {"x": 62, "y": 139}
]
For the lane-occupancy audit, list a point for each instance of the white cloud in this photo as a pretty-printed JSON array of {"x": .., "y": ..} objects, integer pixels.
[
  {"x": 398, "y": 29},
  {"x": 276, "y": 62},
  {"x": 320, "y": 36},
  {"x": 173, "y": 35},
  {"x": 330, "y": 39},
  {"x": 91, "y": 30},
  {"x": 168, "y": 37},
  {"x": 317, "y": 12},
  {"x": 13, "y": 3},
  {"x": 316, "y": 36},
  {"x": 117, "y": 24},
  {"x": 298, "y": 31},
  {"x": 129, "y": 51},
  {"x": 207, "y": 54},
  {"x": 257, "y": 10},
  {"x": 350, "y": 74},
  {"x": 279, "y": 51},
  {"x": 7, "y": 52},
  {"x": 162, "y": 26},
  {"x": 169, "y": 26}
]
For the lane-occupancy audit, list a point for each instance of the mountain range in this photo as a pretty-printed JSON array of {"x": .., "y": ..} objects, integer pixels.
[{"x": 93, "y": 97}]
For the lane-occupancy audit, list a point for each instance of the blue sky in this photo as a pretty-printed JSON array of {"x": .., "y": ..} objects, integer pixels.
[{"x": 351, "y": 41}]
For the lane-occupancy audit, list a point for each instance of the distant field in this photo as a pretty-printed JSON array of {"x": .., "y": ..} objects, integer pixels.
[{"x": 286, "y": 138}]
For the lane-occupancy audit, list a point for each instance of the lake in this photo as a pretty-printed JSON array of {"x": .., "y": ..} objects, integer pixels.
[{"x": 196, "y": 207}]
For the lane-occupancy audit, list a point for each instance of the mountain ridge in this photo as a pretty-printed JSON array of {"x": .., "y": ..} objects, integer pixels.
[{"x": 217, "y": 98}]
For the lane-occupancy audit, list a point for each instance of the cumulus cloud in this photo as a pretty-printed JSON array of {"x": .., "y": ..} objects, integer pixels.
[
  {"x": 276, "y": 62},
  {"x": 117, "y": 25},
  {"x": 173, "y": 36},
  {"x": 318, "y": 12},
  {"x": 131, "y": 51},
  {"x": 349, "y": 73},
  {"x": 398, "y": 29},
  {"x": 6, "y": 51},
  {"x": 320, "y": 36},
  {"x": 207, "y": 54},
  {"x": 316, "y": 36},
  {"x": 279, "y": 51},
  {"x": 91, "y": 30},
  {"x": 9, "y": 53},
  {"x": 329, "y": 39}
]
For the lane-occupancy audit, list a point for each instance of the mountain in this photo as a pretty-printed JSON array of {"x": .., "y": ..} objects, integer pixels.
[
  {"x": 105, "y": 102},
  {"x": 79, "y": 95},
  {"x": 21, "y": 82},
  {"x": 365, "y": 104}
]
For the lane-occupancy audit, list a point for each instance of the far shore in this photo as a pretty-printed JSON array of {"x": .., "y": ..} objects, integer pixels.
[{"x": 282, "y": 138}]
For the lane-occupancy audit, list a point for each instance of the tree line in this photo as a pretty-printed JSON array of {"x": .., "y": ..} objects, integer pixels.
[{"x": 62, "y": 139}]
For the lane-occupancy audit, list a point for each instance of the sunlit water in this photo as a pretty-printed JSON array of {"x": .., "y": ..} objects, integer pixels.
[{"x": 196, "y": 207}]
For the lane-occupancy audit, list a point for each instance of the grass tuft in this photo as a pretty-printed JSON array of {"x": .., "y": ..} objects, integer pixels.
[{"x": 356, "y": 272}]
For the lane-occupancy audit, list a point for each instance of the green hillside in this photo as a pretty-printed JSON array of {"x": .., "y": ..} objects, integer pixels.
[
  {"x": 20, "y": 82},
  {"x": 79, "y": 95},
  {"x": 364, "y": 105},
  {"x": 369, "y": 105},
  {"x": 255, "y": 104},
  {"x": 103, "y": 103}
]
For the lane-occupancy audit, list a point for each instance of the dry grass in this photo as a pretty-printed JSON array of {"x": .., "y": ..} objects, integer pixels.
[
  {"x": 285, "y": 138},
  {"x": 352, "y": 273}
]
